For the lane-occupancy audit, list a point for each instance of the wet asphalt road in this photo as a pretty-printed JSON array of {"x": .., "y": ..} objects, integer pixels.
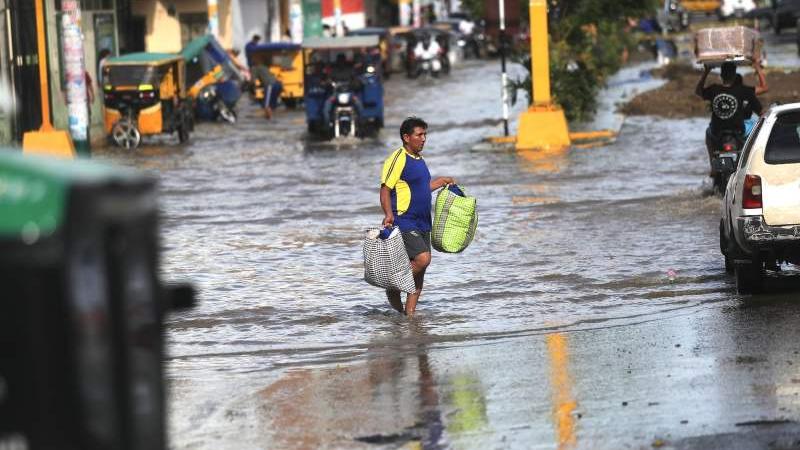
[{"x": 591, "y": 311}]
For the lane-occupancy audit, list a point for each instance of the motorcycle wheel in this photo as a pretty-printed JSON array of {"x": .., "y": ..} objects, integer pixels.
[
  {"x": 125, "y": 134},
  {"x": 717, "y": 183},
  {"x": 227, "y": 114}
]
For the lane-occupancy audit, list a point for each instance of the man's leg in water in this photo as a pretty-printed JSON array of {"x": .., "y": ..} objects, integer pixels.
[
  {"x": 418, "y": 266},
  {"x": 394, "y": 300}
]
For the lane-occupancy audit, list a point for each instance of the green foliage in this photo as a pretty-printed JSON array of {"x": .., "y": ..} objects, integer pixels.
[
  {"x": 475, "y": 8},
  {"x": 588, "y": 41}
]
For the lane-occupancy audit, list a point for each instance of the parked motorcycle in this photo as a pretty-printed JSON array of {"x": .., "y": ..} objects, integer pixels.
[{"x": 725, "y": 152}]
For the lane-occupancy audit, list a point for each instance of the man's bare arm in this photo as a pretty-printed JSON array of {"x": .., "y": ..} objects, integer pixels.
[
  {"x": 701, "y": 84},
  {"x": 441, "y": 181},
  {"x": 386, "y": 206},
  {"x": 761, "y": 87}
]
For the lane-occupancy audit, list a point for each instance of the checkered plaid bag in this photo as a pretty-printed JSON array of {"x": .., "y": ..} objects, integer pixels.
[
  {"x": 386, "y": 263},
  {"x": 455, "y": 219}
]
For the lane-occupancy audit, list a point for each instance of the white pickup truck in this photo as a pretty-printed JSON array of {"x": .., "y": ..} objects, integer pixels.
[{"x": 760, "y": 223}]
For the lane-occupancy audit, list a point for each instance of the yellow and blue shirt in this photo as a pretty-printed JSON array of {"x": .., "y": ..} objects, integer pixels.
[{"x": 409, "y": 180}]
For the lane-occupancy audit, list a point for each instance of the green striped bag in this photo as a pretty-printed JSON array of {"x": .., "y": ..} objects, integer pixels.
[{"x": 455, "y": 218}]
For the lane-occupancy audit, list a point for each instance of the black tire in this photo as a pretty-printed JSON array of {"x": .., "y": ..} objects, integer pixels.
[
  {"x": 290, "y": 103},
  {"x": 749, "y": 276},
  {"x": 725, "y": 247},
  {"x": 717, "y": 180},
  {"x": 183, "y": 134}
]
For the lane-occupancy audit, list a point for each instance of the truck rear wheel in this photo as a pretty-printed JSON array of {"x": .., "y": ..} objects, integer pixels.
[
  {"x": 725, "y": 247},
  {"x": 749, "y": 276}
]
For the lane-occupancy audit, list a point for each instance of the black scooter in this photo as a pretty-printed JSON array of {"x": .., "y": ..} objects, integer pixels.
[{"x": 725, "y": 150}]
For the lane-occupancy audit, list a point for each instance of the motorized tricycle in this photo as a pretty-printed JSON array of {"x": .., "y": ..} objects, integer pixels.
[
  {"x": 385, "y": 46},
  {"x": 285, "y": 61},
  {"x": 343, "y": 86},
  {"x": 214, "y": 80},
  {"x": 144, "y": 94}
]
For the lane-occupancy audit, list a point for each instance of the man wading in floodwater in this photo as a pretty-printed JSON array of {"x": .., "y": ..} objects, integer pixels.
[{"x": 406, "y": 188}]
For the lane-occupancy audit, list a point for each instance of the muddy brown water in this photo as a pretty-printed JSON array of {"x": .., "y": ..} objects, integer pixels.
[{"x": 268, "y": 225}]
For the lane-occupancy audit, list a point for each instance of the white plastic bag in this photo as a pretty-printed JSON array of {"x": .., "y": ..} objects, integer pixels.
[{"x": 386, "y": 263}]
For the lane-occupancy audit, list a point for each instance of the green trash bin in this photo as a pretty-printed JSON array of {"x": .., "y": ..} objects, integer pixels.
[{"x": 81, "y": 306}]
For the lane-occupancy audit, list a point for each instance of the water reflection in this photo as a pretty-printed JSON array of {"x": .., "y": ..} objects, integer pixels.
[
  {"x": 764, "y": 372},
  {"x": 564, "y": 403},
  {"x": 544, "y": 161}
]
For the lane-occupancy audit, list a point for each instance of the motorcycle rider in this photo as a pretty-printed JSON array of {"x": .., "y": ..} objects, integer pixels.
[
  {"x": 729, "y": 103},
  {"x": 428, "y": 49},
  {"x": 343, "y": 74}
]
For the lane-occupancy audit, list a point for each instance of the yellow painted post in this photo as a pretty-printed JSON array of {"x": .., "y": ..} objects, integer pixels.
[
  {"x": 47, "y": 140},
  {"x": 543, "y": 125},
  {"x": 540, "y": 54}
]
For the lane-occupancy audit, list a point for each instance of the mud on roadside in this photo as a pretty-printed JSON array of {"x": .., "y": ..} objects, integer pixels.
[{"x": 676, "y": 99}]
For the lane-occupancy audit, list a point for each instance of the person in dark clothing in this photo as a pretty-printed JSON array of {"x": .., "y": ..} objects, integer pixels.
[
  {"x": 272, "y": 87},
  {"x": 342, "y": 74},
  {"x": 729, "y": 101},
  {"x": 249, "y": 47}
]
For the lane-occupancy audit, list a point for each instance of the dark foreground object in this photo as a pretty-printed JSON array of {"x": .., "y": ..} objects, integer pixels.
[{"x": 82, "y": 307}]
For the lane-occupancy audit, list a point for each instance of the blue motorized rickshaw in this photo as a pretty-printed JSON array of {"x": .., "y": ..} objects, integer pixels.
[
  {"x": 343, "y": 86},
  {"x": 214, "y": 80}
]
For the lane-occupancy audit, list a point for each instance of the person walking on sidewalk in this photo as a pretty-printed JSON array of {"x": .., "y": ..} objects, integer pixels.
[{"x": 405, "y": 197}]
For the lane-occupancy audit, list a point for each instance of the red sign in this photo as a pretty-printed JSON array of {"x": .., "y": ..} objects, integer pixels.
[{"x": 348, "y": 7}]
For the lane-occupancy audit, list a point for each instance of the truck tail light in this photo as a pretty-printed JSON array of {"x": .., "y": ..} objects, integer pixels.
[{"x": 751, "y": 193}]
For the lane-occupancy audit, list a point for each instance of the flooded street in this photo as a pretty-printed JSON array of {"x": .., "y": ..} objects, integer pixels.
[{"x": 592, "y": 309}]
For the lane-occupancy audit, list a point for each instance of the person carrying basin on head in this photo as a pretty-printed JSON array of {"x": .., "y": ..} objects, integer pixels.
[
  {"x": 729, "y": 103},
  {"x": 405, "y": 198}
]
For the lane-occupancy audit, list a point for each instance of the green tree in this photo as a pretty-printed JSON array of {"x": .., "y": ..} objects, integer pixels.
[{"x": 588, "y": 39}]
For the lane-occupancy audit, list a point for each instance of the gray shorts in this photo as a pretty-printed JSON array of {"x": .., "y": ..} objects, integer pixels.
[{"x": 417, "y": 242}]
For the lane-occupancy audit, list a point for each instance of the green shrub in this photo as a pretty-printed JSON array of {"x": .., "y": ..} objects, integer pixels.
[{"x": 586, "y": 47}]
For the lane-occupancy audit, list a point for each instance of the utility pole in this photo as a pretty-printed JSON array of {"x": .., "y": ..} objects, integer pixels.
[
  {"x": 504, "y": 76},
  {"x": 337, "y": 18},
  {"x": 75, "y": 76},
  {"x": 213, "y": 19},
  {"x": 405, "y": 12}
]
